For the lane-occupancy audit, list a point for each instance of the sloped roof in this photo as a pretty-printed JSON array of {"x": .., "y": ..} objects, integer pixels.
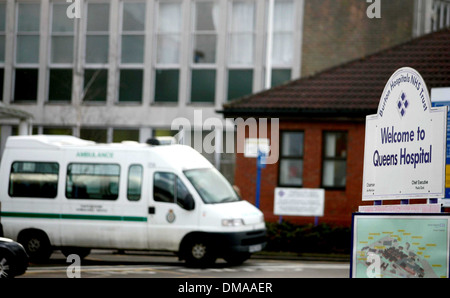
[{"x": 353, "y": 88}]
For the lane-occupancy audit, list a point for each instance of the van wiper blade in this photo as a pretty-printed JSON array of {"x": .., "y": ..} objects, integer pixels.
[{"x": 228, "y": 199}]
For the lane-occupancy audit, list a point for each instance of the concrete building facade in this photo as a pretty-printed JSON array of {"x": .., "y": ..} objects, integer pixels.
[{"x": 110, "y": 70}]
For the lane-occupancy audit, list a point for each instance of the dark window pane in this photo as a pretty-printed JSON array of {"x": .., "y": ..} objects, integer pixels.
[
  {"x": 2, "y": 16},
  {"x": 163, "y": 187},
  {"x": 98, "y": 17},
  {"x": 280, "y": 76},
  {"x": 57, "y": 131},
  {"x": 2, "y": 47},
  {"x": 96, "y": 135},
  {"x": 92, "y": 181},
  {"x": 130, "y": 88},
  {"x": 26, "y": 83},
  {"x": 132, "y": 49},
  {"x": 336, "y": 144},
  {"x": 60, "y": 85},
  {"x": 240, "y": 83},
  {"x": 164, "y": 133},
  {"x": 203, "y": 87},
  {"x": 205, "y": 48},
  {"x": 292, "y": 144},
  {"x": 2, "y": 73},
  {"x": 133, "y": 17},
  {"x": 291, "y": 172},
  {"x": 334, "y": 173},
  {"x": 134, "y": 183},
  {"x": 166, "y": 85},
  {"x": 334, "y": 159},
  {"x": 33, "y": 179},
  {"x": 120, "y": 135},
  {"x": 95, "y": 84}
]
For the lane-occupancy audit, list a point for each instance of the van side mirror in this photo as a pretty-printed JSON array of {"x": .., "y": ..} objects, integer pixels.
[{"x": 187, "y": 202}]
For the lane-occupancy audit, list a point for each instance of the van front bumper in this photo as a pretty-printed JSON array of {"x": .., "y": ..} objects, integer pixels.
[{"x": 239, "y": 242}]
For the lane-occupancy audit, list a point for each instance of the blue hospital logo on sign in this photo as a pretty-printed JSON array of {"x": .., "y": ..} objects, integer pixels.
[
  {"x": 404, "y": 154},
  {"x": 402, "y": 104}
]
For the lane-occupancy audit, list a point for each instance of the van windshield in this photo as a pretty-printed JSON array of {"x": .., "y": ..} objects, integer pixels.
[{"x": 212, "y": 187}]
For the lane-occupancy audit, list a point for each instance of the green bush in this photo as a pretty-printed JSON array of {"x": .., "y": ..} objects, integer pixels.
[{"x": 288, "y": 237}]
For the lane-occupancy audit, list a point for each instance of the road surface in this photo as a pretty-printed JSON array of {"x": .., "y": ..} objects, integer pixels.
[{"x": 109, "y": 264}]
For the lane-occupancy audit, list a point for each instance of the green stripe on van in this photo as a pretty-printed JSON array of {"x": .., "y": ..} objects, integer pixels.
[{"x": 74, "y": 216}]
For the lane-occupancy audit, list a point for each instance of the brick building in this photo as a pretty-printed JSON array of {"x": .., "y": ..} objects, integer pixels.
[{"x": 322, "y": 125}]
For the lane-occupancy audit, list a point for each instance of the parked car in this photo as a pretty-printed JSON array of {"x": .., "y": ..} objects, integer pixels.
[{"x": 13, "y": 258}]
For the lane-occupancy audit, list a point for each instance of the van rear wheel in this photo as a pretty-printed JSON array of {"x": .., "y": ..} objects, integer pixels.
[
  {"x": 199, "y": 253},
  {"x": 37, "y": 245}
]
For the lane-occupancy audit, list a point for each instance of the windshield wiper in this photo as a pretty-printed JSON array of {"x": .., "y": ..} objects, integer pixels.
[{"x": 228, "y": 199}]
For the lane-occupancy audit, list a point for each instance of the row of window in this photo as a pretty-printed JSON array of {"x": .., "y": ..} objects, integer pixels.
[
  {"x": 334, "y": 159},
  {"x": 90, "y": 182},
  {"x": 169, "y": 49}
]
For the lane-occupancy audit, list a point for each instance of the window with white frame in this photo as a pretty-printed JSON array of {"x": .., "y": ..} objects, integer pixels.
[
  {"x": 241, "y": 39},
  {"x": 27, "y": 51},
  {"x": 168, "y": 47},
  {"x": 291, "y": 159},
  {"x": 334, "y": 170},
  {"x": 282, "y": 41},
  {"x": 96, "y": 54},
  {"x": 132, "y": 52},
  {"x": 61, "y": 54},
  {"x": 205, "y": 18},
  {"x": 2, "y": 45}
]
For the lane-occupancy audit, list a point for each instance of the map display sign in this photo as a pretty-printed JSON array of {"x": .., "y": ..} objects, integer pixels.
[
  {"x": 400, "y": 245},
  {"x": 405, "y": 142}
]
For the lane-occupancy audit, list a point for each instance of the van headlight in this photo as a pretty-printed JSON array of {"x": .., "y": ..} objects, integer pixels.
[{"x": 232, "y": 222}]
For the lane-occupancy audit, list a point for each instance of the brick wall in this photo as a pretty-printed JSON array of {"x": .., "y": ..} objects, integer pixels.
[{"x": 339, "y": 204}]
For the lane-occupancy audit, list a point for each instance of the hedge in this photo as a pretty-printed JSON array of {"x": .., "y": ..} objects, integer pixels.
[{"x": 288, "y": 237}]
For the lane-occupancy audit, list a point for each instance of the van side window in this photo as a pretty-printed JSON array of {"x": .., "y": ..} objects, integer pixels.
[
  {"x": 92, "y": 181},
  {"x": 163, "y": 187},
  {"x": 134, "y": 183},
  {"x": 33, "y": 179},
  {"x": 164, "y": 190}
]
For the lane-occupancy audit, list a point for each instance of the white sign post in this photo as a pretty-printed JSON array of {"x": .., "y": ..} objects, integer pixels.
[
  {"x": 404, "y": 158},
  {"x": 405, "y": 143}
]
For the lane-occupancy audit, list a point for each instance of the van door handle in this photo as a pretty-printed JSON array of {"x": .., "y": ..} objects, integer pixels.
[{"x": 151, "y": 210}]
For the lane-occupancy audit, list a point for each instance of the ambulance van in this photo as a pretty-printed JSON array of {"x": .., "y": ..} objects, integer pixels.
[{"x": 65, "y": 193}]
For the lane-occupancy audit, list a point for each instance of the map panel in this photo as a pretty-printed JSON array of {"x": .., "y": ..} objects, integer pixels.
[{"x": 400, "y": 246}]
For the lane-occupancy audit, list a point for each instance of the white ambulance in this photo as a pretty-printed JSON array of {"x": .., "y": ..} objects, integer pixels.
[{"x": 62, "y": 192}]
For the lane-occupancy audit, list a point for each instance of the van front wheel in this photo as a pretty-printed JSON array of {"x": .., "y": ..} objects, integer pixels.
[{"x": 199, "y": 253}]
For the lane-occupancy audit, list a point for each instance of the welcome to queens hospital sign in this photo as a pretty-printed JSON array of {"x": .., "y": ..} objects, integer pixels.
[{"x": 405, "y": 142}]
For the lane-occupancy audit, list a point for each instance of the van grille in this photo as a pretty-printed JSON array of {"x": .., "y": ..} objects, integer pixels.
[
  {"x": 255, "y": 237},
  {"x": 256, "y": 240}
]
